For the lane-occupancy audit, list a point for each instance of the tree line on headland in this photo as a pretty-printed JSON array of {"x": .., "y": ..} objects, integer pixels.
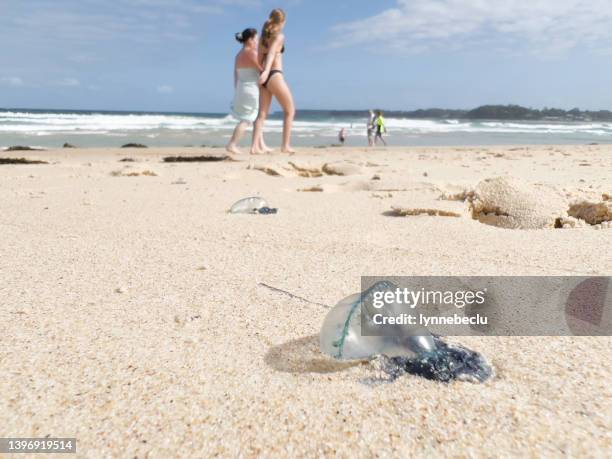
[{"x": 484, "y": 112}]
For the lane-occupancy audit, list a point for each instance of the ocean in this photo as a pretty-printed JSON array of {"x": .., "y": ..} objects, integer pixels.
[{"x": 52, "y": 128}]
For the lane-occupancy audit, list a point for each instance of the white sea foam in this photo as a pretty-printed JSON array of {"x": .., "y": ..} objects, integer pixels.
[{"x": 21, "y": 125}]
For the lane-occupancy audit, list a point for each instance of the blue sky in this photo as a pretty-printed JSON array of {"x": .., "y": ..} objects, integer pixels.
[{"x": 177, "y": 55}]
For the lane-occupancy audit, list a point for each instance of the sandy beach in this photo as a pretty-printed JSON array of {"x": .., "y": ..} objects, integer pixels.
[{"x": 134, "y": 319}]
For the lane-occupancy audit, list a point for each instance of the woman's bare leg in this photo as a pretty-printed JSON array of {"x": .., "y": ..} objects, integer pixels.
[
  {"x": 263, "y": 146},
  {"x": 265, "y": 100},
  {"x": 232, "y": 146},
  {"x": 279, "y": 88},
  {"x": 268, "y": 101}
]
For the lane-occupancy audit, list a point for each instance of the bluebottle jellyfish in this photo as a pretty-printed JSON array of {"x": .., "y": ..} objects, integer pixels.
[
  {"x": 403, "y": 350},
  {"x": 252, "y": 205}
]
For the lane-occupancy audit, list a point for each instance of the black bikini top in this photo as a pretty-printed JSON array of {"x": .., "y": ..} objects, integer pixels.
[{"x": 282, "y": 51}]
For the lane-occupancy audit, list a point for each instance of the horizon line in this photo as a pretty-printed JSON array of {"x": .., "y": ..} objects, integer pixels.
[{"x": 338, "y": 110}]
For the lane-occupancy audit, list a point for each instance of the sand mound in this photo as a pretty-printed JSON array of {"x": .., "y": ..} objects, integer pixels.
[
  {"x": 341, "y": 168},
  {"x": 306, "y": 170},
  {"x": 353, "y": 186},
  {"x": 594, "y": 213},
  {"x": 290, "y": 170},
  {"x": 272, "y": 170},
  {"x": 293, "y": 168},
  {"x": 512, "y": 203}
]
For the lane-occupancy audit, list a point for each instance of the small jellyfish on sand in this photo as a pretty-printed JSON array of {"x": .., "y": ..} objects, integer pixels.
[
  {"x": 252, "y": 205},
  {"x": 404, "y": 349}
]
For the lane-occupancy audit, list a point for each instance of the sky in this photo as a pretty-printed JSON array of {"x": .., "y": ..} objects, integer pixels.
[{"x": 177, "y": 55}]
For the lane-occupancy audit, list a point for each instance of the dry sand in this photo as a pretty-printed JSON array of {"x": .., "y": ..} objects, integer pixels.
[{"x": 131, "y": 315}]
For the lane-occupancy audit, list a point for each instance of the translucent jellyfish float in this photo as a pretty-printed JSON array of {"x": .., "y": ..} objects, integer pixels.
[
  {"x": 404, "y": 349},
  {"x": 252, "y": 205}
]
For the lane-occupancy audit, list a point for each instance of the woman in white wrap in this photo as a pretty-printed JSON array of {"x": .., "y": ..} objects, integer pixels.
[{"x": 245, "y": 105}]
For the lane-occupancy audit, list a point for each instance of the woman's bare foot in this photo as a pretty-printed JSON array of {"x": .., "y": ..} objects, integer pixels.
[
  {"x": 256, "y": 151},
  {"x": 288, "y": 150},
  {"x": 263, "y": 147},
  {"x": 230, "y": 148}
]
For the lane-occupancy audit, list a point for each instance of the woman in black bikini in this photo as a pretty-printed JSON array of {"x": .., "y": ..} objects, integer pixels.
[{"x": 272, "y": 82}]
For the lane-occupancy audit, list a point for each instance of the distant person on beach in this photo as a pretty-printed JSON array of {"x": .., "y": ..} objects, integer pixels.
[
  {"x": 371, "y": 128},
  {"x": 272, "y": 81},
  {"x": 379, "y": 123},
  {"x": 342, "y": 136},
  {"x": 245, "y": 105}
]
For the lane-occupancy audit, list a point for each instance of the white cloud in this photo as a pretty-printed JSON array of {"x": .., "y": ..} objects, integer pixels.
[
  {"x": 540, "y": 26},
  {"x": 70, "y": 82},
  {"x": 12, "y": 81},
  {"x": 125, "y": 21},
  {"x": 165, "y": 89}
]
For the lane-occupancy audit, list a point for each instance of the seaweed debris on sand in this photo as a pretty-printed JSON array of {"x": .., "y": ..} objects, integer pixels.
[
  {"x": 196, "y": 159},
  {"x": 21, "y": 161},
  {"x": 22, "y": 148}
]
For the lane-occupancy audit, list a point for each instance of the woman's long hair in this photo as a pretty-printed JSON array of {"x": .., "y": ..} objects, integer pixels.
[{"x": 272, "y": 27}]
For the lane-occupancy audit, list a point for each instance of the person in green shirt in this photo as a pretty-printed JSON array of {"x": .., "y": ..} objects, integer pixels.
[{"x": 379, "y": 122}]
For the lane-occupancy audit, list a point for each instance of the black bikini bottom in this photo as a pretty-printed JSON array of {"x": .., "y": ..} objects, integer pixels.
[{"x": 272, "y": 72}]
